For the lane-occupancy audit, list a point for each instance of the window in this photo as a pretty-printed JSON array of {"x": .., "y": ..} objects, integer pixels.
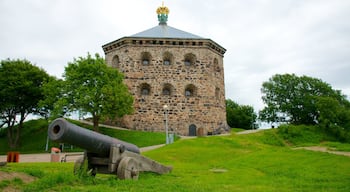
[
  {"x": 115, "y": 61},
  {"x": 145, "y": 62},
  {"x": 188, "y": 93},
  {"x": 166, "y": 62},
  {"x": 145, "y": 89},
  {"x": 190, "y": 59},
  {"x": 187, "y": 63},
  {"x": 168, "y": 89},
  {"x": 190, "y": 90},
  {"x": 167, "y": 58},
  {"x": 146, "y": 58},
  {"x": 217, "y": 93},
  {"x": 216, "y": 65}
]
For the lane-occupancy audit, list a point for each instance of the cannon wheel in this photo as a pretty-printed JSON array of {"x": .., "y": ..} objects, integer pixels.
[{"x": 128, "y": 169}]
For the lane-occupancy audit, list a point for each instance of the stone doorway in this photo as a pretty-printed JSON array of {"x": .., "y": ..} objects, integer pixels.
[{"x": 192, "y": 130}]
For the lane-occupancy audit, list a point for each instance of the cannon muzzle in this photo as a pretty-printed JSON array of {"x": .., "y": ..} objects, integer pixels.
[{"x": 61, "y": 130}]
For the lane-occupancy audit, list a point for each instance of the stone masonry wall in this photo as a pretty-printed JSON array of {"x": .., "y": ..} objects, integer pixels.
[{"x": 205, "y": 78}]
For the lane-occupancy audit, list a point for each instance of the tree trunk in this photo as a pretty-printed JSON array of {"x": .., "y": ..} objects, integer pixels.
[
  {"x": 96, "y": 119},
  {"x": 11, "y": 132}
]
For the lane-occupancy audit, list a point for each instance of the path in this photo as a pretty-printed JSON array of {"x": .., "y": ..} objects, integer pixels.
[
  {"x": 324, "y": 149},
  {"x": 46, "y": 157},
  {"x": 249, "y": 131}
]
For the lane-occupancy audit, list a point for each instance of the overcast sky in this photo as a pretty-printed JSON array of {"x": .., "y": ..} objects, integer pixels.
[{"x": 262, "y": 37}]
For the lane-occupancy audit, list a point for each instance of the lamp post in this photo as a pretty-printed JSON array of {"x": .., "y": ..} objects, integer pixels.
[{"x": 165, "y": 107}]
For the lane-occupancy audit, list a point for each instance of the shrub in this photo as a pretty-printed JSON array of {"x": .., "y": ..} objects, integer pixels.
[{"x": 301, "y": 134}]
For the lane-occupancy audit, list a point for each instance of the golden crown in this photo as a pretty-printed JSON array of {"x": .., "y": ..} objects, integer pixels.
[{"x": 163, "y": 10}]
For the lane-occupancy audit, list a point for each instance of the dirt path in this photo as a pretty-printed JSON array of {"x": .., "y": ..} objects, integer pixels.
[
  {"x": 71, "y": 157},
  {"x": 249, "y": 131},
  {"x": 324, "y": 149}
]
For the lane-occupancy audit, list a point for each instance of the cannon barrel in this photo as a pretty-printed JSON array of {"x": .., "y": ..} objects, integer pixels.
[{"x": 61, "y": 130}]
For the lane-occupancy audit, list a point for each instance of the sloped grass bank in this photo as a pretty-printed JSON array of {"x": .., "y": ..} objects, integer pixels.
[{"x": 255, "y": 162}]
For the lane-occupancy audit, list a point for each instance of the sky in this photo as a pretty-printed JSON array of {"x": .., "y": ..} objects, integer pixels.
[{"x": 262, "y": 37}]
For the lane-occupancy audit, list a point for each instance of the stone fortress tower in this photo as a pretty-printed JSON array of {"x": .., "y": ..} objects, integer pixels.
[{"x": 170, "y": 70}]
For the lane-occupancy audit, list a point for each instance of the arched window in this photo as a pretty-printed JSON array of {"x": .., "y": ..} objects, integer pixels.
[
  {"x": 115, "y": 61},
  {"x": 167, "y": 58},
  {"x": 145, "y": 89},
  {"x": 168, "y": 89},
  {"x": 146, "y": 58},
  {"x": 190, "y": 90},
  {"x": 216, "y": 65},
  {"x": 217, "y": 93},
  {"x": 190, "y": 59}
]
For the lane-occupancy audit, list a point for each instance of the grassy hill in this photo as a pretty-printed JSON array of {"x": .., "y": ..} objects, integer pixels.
[
  {"x": 34, "y": 136},
  {"x": 254, "y": 162}
]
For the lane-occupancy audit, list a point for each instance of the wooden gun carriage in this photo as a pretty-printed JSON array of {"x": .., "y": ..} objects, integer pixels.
[{"x": 104, "y": 154}]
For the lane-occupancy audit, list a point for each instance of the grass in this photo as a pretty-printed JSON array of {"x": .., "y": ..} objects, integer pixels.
[
  {"x": 34, "y": 136},
  {"x": 254, "y": 162}
]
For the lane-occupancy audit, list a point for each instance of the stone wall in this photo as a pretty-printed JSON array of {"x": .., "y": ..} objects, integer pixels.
[{"x": 188, "y": 79}]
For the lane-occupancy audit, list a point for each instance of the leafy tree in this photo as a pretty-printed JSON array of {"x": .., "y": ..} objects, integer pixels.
[
  {"x": 20, "y": 91},
  {"x": 90, "y": 86},
  {"x": 240, "y": 116},
  {"x": 53, "y": 91},
  {"x": 301, "y": 100}
]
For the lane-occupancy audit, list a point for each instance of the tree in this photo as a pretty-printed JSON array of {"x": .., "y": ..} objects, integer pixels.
[
  {"x": 299, "y": 100},
  {"x": 53, "y": 91},
  {"x": 20, "y": 91},
  {"x": 241, "y": 116},
  {"x": 90, "y": 86}
]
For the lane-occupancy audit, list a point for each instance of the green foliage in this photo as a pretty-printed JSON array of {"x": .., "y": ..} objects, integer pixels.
[
  {"x": 242, "y": 116},
  {"x": 301, "y": 134},
  {"x": 53, "y": 91},
  {"x": 90, "y": 86},
  {"x": 302, "y": 100},
  {"x": 20, "y": 92},
  {"x": 232, "y": 163}
]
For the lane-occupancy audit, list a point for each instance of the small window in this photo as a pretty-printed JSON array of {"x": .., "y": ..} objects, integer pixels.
[
  {"x": 166, "y": 91},
  {"x": 146, "y": 58},
  {"x": 216, "y": 65},
  {"x": 167, "y": 58},
  {"x": 166, "y": 62},
  {"x": 217, "y": 93},
  {"x": 115, "y": 61},
  {"x": 190, "y": 59},
  {"x": 145, "y": 89},
  {"x": 145, "y": 62},
  {"x": 190, "y": 90}
]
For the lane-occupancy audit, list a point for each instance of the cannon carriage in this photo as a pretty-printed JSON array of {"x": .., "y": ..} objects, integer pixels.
[{"x": 104, "y": 154}]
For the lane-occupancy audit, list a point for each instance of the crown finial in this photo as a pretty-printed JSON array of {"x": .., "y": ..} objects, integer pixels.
[{"x": 162, "y": 13}]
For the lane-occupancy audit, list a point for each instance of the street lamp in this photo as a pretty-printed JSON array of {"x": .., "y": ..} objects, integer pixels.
[{"x": 165, "y": 107}]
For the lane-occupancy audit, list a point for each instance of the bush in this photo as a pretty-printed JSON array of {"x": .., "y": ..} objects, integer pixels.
[
  {"x": 337, "y": 133},
  {"x": 301, "y": 134}
]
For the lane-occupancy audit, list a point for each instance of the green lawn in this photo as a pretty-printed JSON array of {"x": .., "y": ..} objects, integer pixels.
[{"x": 255, "y": 162}]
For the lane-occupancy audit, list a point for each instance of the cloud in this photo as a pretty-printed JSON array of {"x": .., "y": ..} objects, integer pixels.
[{"x": 262, "y": 37}]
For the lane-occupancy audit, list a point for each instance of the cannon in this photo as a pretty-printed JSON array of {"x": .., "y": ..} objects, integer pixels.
[{"x": 104, "y": 154}]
